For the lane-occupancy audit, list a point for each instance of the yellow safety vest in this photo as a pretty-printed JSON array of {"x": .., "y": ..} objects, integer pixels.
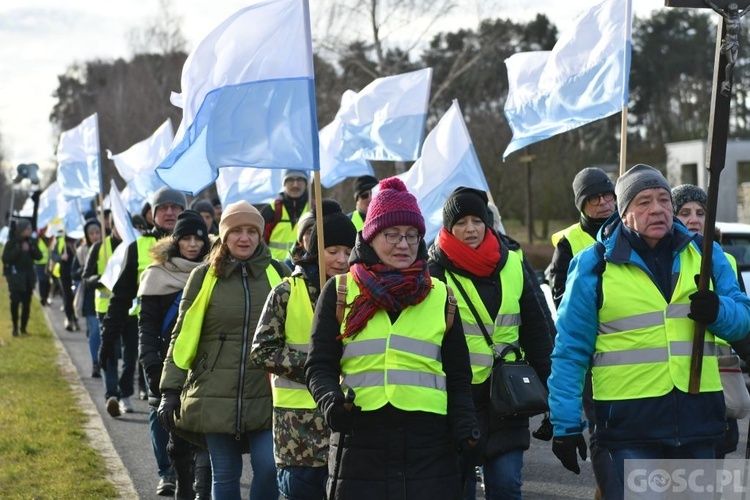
[
  {"x": 644, "y": 344},
  {"x": 299, "y": 316},
  {"x": 398, "y": 363},
  {"x": 576, "y": 236},
  {"x": 357, "y": 220},
  {"x": 143, "y": 244},
  {"x": 283, "y": 235},
  {"x": 103, "y": 294},
  {"x": 60, "y": 243},
  {"x": 504, "y": 328},
  {"x": 42, "y": 245},
  {"x": 186, "y": 344}
]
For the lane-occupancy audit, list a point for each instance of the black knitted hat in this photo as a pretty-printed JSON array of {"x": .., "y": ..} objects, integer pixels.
[
  {"x": 338, "y": 229},
  {"x": 588, "y": 182},
  {"x": 190, "y": 223},
  {"x": 462, "y": 202},
  {"x": 685, "y": 193},
  {"x": 363, "y": 183}
]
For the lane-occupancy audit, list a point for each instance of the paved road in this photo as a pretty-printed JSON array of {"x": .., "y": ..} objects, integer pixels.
[{"x": 544, "y": 477}]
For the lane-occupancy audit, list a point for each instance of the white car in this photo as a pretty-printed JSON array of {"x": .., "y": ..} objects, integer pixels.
[{"x": 735, "y": 240}]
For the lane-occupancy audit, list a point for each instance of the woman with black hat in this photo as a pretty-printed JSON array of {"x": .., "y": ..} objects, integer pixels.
[
  {"x": 300, "y": 435},
  {"x": 92, "y": 232},
  {"x": 476, "y": 262},
  {"x": 174, "y": 258},
  {"x": 19, "y": 254}
]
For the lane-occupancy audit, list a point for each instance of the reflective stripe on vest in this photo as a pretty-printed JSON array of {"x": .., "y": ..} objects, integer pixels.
[
  {"x": 284, "y": 235},
  {"x": 297, "y": 325},
  {"x": 576, "y": 236},
  {"x": 186, "y": 344},
  {"x": 103, "y": 294},
  {"x": 643, "y": 347},
  {"x": 504, "y": 330},
  {"x": 398, "y": 363},
  {"x": 357, "y": 220},
  {"x": 42, "y": 245}
]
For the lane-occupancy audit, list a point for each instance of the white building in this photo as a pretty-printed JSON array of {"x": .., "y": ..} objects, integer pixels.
[{"x": 686, "y": 164}]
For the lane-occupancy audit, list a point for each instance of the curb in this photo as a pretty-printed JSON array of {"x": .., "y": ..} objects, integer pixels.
[{"x": 94, "y": 427}]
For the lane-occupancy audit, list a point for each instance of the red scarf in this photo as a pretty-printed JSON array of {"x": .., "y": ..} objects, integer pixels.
[
  {"x": 481, "y": 261},
  {"x": 383, "y": 287}
]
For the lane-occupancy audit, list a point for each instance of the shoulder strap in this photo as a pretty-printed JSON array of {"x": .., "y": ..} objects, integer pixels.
[
  {"x": 473, "y": 309},
  {"x": 450, "y": 313},
  {"x": 599, "y": 270},
  {"x": 171, "y": 314},
  {"x": 341, "y": 290},
  {"x": 270, "y": 225}
]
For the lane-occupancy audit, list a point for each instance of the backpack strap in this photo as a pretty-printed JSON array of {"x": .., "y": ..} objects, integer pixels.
[
  {"x": 450, "y": 313},
  {"x": 170, "y": 316},
  {"x": 341, "y": 290},
  {"x": 270, "y": 225}
]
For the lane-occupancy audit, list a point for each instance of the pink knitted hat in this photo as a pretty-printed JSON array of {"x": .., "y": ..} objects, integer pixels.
[{"x": 393, "y": 205}]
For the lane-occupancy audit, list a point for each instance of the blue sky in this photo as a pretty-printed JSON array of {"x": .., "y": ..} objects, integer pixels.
[{"x": 39, "y": 39}]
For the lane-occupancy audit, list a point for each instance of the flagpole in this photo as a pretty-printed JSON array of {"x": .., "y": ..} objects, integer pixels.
[
  {"x": 319, "y": 225},
  {"x": 101, "y": 189},
  {"x": 623, "y": 138},
  {"x": 625, "y": 84}
]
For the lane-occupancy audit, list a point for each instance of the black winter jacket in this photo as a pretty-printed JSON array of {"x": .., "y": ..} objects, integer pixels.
[
  {"x": 535, "y": 337},
  {"x": 376, "y": 449}
]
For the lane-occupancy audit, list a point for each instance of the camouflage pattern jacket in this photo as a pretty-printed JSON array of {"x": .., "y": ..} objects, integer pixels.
[{"x": 300, "y": 436}]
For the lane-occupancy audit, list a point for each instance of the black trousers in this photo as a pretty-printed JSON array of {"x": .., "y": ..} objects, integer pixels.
[{"x": 22, "y": 300}]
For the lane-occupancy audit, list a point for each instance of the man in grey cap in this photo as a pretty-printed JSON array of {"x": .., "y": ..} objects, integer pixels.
[
  {"x": 628, "y": 314},
  {"x": 281, "y": 216}
]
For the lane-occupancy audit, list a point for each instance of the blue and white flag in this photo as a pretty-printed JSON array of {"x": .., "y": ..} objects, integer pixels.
[
  {"x": 582, "y": 79},
  {"x": 248, "y": 98},
  {"x": 49, "y": 205},
  {"x": 448, "y": 161},
  {"x": 254, "y": 185},
  {"x": 386, "y": 119},
  {"x": 60, "y": 214},
  {"x": 78, "y": 172},
  {"x": 143, "y": 157},
  {"x": 332, "y": 169}
]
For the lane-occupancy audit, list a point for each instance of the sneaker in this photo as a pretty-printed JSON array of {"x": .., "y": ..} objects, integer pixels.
[
  {"x": 113, "y": 407},
  {"x": 143, "y": 395},
  {"x": 15, "y": 331},
  {"x": 166, "y": 486},
  {"x": 125, "y": 405},
  {"x": 96, "y": 372}
]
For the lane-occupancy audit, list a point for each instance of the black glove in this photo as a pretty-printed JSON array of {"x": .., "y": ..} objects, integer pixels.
[
  {"x": 169, "y": 410},
  {"x": 106, "y": 354},
  {"x": 468, "y": 448},
  {"x": 704, "y": 306},
  {"x": 564, "y": 448},
  {"x": 544, "y": 432},
  {"x": 338, "y": 418},
  {"x": 153, "y": 376}
]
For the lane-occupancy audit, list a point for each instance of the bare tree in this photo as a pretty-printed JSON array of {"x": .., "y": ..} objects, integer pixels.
[{"x": 161, "y": 34}]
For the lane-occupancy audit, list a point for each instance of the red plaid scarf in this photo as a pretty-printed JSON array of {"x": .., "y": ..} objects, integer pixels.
[{"x": 383, "y": 287}]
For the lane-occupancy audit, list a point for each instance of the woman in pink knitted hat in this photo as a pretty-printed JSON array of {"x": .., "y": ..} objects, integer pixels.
[{"x": 389, "y": 331}]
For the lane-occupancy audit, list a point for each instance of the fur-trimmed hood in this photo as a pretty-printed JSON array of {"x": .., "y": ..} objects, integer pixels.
[{"x": 161, "y": 249}]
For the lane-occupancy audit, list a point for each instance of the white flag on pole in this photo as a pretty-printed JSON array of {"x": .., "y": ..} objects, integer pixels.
[
  {"x": 127, "y": 233},
  {"x": 78, "y": 160}
]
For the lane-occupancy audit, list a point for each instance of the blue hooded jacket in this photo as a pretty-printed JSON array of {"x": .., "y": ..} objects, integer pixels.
[{"x": 674, "y": 419}]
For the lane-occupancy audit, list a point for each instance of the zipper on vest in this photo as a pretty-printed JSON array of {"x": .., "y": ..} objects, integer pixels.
[
  {"x": 245, "y": 330},
  {"x": 222, "y": 338}
]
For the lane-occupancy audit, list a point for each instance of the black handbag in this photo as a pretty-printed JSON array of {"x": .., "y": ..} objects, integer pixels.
[{"x": 515, "y": 388}]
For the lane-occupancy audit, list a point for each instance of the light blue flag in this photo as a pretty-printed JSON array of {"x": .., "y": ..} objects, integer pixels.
[
  {"x": 254, "y": 185},
  {"x": 448, "y": 161},
  {"x": 248, "y": 98},
  {"x": 332, "y": 169},
  {"x": 386, "y": 119},
  {"x": 582, "y": 79},
  {"x": 78, "y": 172}
]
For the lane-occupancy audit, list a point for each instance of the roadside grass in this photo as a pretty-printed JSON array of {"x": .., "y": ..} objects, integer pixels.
[{"x": 44, "y": 452}]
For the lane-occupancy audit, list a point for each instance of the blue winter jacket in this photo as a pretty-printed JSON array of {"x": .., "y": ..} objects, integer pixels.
[{"x": 674, "y": 419}]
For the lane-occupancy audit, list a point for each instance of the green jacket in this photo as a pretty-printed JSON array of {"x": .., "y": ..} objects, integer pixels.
[{"x": 224, "y": 392}]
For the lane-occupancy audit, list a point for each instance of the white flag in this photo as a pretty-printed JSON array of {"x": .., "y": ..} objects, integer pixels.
[
  {"x": 127, "y": 233},
  {"x": 448, "y": 161},
  {"x": 254, "y": 185},
  {"x": 143, "y": 157}
]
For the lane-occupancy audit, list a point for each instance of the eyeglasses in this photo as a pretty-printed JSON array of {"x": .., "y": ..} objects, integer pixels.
[
  {"x": 395, "y": 238},
  {"x": 596, "y": 199},
  {"x": 364, "y": 195}
]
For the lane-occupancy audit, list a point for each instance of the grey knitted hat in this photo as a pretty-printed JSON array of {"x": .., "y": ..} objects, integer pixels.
[
  {"x": 685, "y": 193},
  {"x": 588, "y": 182},
  {"x": 288, "y": 173},
  {"x": 165, "y": 195},
  {"x": 634, "y": 181}
]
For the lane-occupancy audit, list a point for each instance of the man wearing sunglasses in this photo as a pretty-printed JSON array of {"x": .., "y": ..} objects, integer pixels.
[{"x": 362, "y": 195}]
